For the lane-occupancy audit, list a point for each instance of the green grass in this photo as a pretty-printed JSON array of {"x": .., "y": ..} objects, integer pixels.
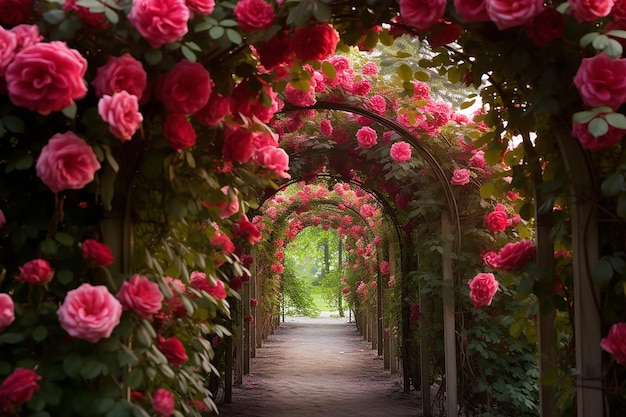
[{"x": 320, "y": 304}]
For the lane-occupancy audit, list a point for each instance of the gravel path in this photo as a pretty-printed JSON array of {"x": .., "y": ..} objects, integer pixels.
[{"x": 319, "y": 367}]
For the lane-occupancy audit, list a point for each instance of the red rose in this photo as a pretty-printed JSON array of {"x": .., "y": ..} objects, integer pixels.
[
  {"x": 160, "y": 21},
  {"x": 314, "y": 43},
  {"x": 422, "y": 14},
  {"x": 222, "y": 244},
  {"x": 173, "y": 350},
  {"x": 515, "y": 255},
  {"x": 249, "y": 230},
  {"x": 254, "y": 15},
  {"x": 141, "y": 295},
  {"x": 415, "y": 313},
  {"x": 253, "y": 102},
  {"x": 14, "y": 12},
  {"x": 496, "y": 221},
  {"x": 122, "y": 73},
  {"x": 99, "y": 254},
  {"x": 179, "y": 132},
  {"x": 66, "y": 162},
  {"x": 546, "y": 26},
  {"x": 7, "y": 311},
  {"x": 37, "y": 271},
  {"x": 274, "y": 52},
  {"x": 17, "y": 389},
  {"x": 443, "y": 33},
  {"x": 214, "y": 111},
  {"x": 238, "y": 144},
  {"x": 185, "y": 88},
  {"x": 93, "y": 19},
  {"x": 46, "y": 77},
  {"x": 601, "y": 81},
  {"x": 200, "y": 281}
]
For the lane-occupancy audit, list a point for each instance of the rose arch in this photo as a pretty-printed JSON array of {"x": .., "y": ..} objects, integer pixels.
[{"x": 137, "y": 136}]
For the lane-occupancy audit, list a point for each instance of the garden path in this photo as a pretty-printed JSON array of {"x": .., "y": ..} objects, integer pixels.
[{"x": 319, "y": 367}]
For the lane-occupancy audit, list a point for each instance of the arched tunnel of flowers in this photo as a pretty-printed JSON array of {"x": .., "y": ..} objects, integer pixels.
[{"x": 159, "y": 157}]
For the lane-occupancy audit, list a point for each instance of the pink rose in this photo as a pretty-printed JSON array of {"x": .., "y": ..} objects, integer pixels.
[
  {"x": 7, "y": 311},
  {"x": 14, "y": 12},
  {"x": 299, "y": 97},
  {"x": 490, "y": 259},
  {"x": 141, "y": 295},
  {"x": 314, "y": 43},
  {"x": 67, "y": 162},
  {"x": 254, "y": 15},
  {"x": 482, "y": 289},
  {"x": 460, "y": 177},
  {"x": 172, "y": 349},
  {"x": 611, "y": 138},
  {"x": 122, "y": 73},
  {"x": 214, "y": 111},
  {"x": 121, "y": 112},
  {"x": 615, "y": 342},
  {"x": 160, "y": 21},
  {"x": 400, "y": 151},
  {"x": 496, "y": 221},
  {"x": 37, "y": 271},
  {"x": 204, "y": 7},
  {"x": 590, "y": 10},
  {"x": 326, "y": 127},
  {"x": 238, "y": 144},
  {"x": 546, "y": 26},
  {"x": 185, "y": 88},
  {"x": 618, "y": 13},
  {"x": 222, "y": 244},
  {"x": 249, "y": 102},
  {"x": 8, "y": 49},
  {"x": 507, "y": 13},
  {"x": 163, "y": 402},
  {"x": 17, "y": 389},
  {"x": 199, "y": 281},
  {"x": 422, "y": 14},
  {"x": 385, "y": 268},
  {"x": 89, "y": 313},
  {"x": 273, "y": 158},
  {"x": 179, "y": 131},
  {"x": 99, "y": 254},
  {"x": 26, "y": 35},
  {"x": 601, "y": 81},
  {"x": 377, "y": 104},
  {"x": 515, "y": 255},
  {"x": 472, "y": 10},
  {"x": 478, "y": 160},
  {"x": 366, "y": 137},
  {"x": 46, "y": 77}
]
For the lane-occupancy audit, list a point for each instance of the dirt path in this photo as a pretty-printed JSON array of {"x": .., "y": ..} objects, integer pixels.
[{"x": 319, "y": 367}]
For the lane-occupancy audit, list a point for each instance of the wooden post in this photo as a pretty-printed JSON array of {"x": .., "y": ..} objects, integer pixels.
[
  {"x": 425, "y": 340},
  {"x": 228, "y": 370},
  {"x": 380, "y": 299},
  {"x": 448, "y": 318},
  {"x": 245, "y": 301}
]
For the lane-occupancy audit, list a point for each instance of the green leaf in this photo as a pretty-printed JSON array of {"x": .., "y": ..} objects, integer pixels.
[
  {"x": 153, "y": 56},
  {"x": 11, "y": 338},
  {"x": 588, "y": 38},
  {"x": 72, "y": 365},
  {"x": 234, "y": 36},
  {"x": 70, "y": 111},
  {"x": 64, "y": 276},
  {"x": 602, "y": 272},
  {"x": 405, "y": 73},
  {"x": 467, "y": 104},
  {"x": 64, "y": 239},
  {"x": 119, "y": 409},
  {"x": 526, "y": 285},
  {"x": 24, "y": 161},
  {"x": 583, "y": 117},
  {"x": 321, "y": 12},
  {"x": 613, "y": 48},
  {"x": 421, "y": 76},
  {"x": 107, "y": 186},
  {"x": 53, "y": 16},
  {"x": 329, "y": 70},
  {"x": 40, "y": 333},
  {"x": 216, "y": 32},
  {"x": 111, "y": 15},
  {"x": 613, "y": 184},
  {"x": 598, "y": 127},
  {"x": 135, "y": 378},
  {"x": 188, "y": 53},
  {"x": 13, "y": 123},
  {"x": 91, "y": 368},
  {"x": 621, "y": 205},
  {"x": 617, "y": 120},
  {"x": 228, "y": 23}
]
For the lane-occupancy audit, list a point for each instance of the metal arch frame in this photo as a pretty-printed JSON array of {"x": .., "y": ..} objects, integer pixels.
[{"x": 429, "y": 157}]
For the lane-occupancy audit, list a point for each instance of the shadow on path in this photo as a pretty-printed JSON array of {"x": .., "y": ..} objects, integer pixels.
[{"x": 319, "y": 367}]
